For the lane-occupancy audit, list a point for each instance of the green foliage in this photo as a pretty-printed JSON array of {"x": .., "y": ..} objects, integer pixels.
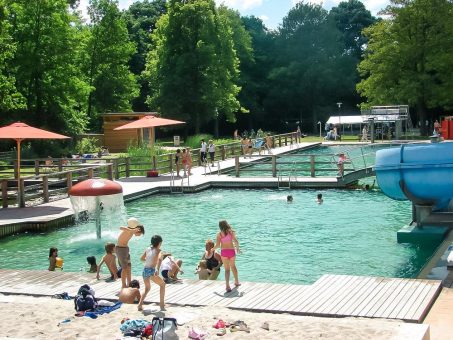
[
  {"x": 409, "y": 59},
  {"x": 144, "y": 151},
  {"x": 194, "y": 142},
  {"x": 351, "y": 17},
  {"x": 10, "y": 98},
  {"x": 141, "y": 18},
  {"x": 108, "y": 51},
  {"x": 311, "y": 72},
  {"x": 87, "y": 145},
  {"x": 193, "y": 57},
  {"x": 45, "y": 64}
]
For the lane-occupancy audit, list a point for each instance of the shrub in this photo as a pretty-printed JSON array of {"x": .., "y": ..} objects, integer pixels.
[
  {"x": 194, "y": 142},
  {"x": 87, "y": 145}
]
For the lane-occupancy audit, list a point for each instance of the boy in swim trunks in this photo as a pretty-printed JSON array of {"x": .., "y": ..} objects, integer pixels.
[
  {"x": 153, "y": 259},
  {"x": 134, "y": 228}
]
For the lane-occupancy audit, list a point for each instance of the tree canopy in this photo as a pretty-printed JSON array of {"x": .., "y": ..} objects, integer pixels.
[
  {"x": 193, "y": 64},
  {"x": 409, "y": 58}
]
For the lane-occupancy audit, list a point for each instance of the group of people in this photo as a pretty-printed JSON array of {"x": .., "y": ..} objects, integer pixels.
[
  {"x": 252, "y": 134},
  {"x": 248, "y": 145},
  {"x": 183, "y": 158},
  {"x": 159, "y": 267},
  {"x": 206, "y": 148}
]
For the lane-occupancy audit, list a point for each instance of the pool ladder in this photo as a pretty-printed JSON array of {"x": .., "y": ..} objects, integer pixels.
[
  {"x": 292, "y": 174},
  {"x": 174, "y": 189}
]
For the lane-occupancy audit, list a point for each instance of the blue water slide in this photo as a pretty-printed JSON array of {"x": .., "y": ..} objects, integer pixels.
[{"x": 422, "y": 173}]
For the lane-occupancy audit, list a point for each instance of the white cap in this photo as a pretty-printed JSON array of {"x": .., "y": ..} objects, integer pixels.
[{"x": 132, "y": 223}]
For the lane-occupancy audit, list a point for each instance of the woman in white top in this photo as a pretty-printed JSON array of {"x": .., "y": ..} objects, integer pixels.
[
  {"x": 153, "y": 258},
  {"x": 211, "y": 150}
]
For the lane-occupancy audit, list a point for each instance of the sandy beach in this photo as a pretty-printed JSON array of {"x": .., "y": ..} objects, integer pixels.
[{"x": 28, "y": 317}]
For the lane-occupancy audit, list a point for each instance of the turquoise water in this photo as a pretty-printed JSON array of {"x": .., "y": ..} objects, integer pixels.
[
  {"x": 353, "y": 232},
  {"x": 298, "y": 162}
]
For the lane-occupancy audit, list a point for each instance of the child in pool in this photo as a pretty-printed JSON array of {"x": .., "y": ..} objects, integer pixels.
[
  {"x": 54, "y": 260},
  {"x": 203, "y": 271},
  {"x": 319, "y": 199},
  {"x": 110, "y": 261},
  {"x": 153, "y": 259},
  {"x": 92, "y": 262}
]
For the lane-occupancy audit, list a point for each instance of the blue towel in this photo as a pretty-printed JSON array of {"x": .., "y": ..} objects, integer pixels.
[
  {"x": 103, "y": 310},
  {"x": 133, "y": 324}
]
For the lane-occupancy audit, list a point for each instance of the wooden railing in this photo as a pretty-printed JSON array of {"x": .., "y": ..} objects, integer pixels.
[
  {"x": 54, "y": 176},
  {"x": 45, "y": 186}
]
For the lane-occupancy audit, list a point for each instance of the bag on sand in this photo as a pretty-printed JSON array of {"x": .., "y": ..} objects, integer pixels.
[
  {"x": 164, "y": 329},
  {"x": 84, "y": 300}
]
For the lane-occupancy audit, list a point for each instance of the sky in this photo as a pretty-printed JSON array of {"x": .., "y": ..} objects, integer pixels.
[{"x": 271, "y": 11}]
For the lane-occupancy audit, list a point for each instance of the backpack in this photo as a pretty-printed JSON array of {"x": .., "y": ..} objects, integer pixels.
[{"x": 85, "y": 300}]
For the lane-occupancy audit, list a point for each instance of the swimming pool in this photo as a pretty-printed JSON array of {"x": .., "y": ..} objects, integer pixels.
[
  {"x": 297, "y": 163},
  {"x": 353, "y": 232}
]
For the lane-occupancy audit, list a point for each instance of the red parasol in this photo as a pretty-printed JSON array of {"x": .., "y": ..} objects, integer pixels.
[{"x": 20, "y": 131}]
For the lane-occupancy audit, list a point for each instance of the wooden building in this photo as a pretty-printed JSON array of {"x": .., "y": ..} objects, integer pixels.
[{"x": 118, "y": 141}]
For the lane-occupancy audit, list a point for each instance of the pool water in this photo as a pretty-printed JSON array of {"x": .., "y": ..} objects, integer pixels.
[
  {"x": 298, "y": 163},
  {"x": 353, "y": 232}
]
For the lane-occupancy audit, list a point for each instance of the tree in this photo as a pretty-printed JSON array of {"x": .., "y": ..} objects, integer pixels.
[
  {"x": 255, "y": 72},
  {"x": 10, "y": 99},
  {"x": 108, "y": 51},
  {"x": 311, "y": 72},
  {"x": 409, "y": 58},
  {"x": 141, "y": 19},
  {"x": 45, "y": 64},
  {"x": 351, "y": 17},
  {"x": 193, "y": 66}
]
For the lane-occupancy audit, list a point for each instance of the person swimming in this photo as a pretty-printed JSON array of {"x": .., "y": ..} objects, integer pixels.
[
  {"x": 289, "y": 198},
  {"x": 319, "y": 199}
]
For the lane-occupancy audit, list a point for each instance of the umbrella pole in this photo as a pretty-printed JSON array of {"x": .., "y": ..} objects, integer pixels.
[{"x": 20, "y": 201}]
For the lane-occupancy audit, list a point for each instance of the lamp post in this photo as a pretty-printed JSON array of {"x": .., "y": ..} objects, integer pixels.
[
  {"x": 319, "y": 123},
  {"x": 339, "y": 117}
]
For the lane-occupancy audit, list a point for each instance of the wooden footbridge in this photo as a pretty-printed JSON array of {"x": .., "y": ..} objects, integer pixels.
[{"x": 330, "y": 296}]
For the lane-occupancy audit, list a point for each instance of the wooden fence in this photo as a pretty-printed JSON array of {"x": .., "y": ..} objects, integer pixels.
[{"x": 42, "y": 179}]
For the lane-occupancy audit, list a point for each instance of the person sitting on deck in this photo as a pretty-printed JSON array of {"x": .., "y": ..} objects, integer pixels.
[
  {"x": 130, "y": 294},
  {"x": 110, "y": 260},
  {"x": 170, "y": 268}
]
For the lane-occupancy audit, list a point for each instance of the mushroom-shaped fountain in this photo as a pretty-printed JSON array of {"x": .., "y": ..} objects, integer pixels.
[{"x": 94, "y": 196}]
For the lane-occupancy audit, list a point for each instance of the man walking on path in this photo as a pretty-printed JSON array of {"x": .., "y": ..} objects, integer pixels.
[{"x": 134, "y": 228}]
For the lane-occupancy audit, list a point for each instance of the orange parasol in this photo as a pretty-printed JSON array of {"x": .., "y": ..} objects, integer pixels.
[
  {"x": 20, "y": 131},
  {"x": 149, "y": 122}
]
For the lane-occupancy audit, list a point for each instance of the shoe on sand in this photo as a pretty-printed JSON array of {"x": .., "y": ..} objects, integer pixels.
[
  {"x": 265, "y": 325},
  {"x": 219, "y": 324},
  {"x": 221, "y": 332},
  {"x": 197, "y": 334}
]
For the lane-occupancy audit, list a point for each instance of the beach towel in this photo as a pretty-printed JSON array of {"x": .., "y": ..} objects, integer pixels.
[
  {"x": 103, "y": 310},
  {"x": 132, "y": 325}
]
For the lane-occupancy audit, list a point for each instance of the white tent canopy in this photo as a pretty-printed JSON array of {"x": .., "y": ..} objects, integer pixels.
[{"x": 362, "y": 119}]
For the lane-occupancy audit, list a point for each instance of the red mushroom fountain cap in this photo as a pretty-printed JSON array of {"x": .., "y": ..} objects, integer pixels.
[{"x": 96, "y": 187}]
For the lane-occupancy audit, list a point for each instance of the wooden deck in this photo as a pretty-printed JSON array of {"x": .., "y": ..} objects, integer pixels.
[{"x": 330, "y": 296}]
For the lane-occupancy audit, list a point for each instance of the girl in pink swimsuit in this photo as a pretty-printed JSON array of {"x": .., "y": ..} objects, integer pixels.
[{"x": 226, "y": 239}]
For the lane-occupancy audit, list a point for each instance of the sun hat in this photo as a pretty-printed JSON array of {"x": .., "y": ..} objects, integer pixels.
[{"x": 133, "y": 223}]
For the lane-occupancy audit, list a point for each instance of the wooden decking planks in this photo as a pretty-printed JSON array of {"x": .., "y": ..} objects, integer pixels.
[{"x": 331, "y": 295}]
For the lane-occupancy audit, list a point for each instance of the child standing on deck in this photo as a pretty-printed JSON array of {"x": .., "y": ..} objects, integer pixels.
[
  {"x": 226, "y": 239},
  {"x": 134, "y": 228},
  {"x": 153, "y": 258}
]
